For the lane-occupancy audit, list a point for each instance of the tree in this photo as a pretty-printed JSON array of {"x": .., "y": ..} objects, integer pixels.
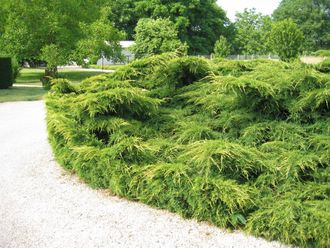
[
  {"x": 53, "y": 55},
  {"x": 156, "y": 36},
  {"x": 40, "y": 30},
  {"x": 312, "y": 17},
  {"x": 222, "y": 48},
  {"x": 125, "y": 15},
  {"x": 100, "y": 39},
  {"x": 286, "y": 39},
  {"x": 252, "y": 31},
  {"x": 199, "y": 22}
]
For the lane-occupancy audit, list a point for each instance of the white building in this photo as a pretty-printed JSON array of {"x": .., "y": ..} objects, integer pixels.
[{"x": 125, "y": 45}]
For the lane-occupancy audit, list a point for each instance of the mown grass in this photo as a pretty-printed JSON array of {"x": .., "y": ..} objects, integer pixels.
[
  {"x": 76, "y": 76},
  {"x": 22, "y": 94},
  {"x": 31, "y": 77},
  {"x": 106, "y": 67},
  {"x": 241, "y": 144}
]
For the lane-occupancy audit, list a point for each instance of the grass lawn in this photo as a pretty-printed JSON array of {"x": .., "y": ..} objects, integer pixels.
[
  {"x": 21, "y": 94},
  {"x": 107, "y": 67},
  {"x": 31, "y": 77},
  {"x": 76, "y": 76}
]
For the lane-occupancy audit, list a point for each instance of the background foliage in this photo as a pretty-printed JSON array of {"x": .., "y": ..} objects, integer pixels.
[
  {"x": 156, "y": 36},
  {"x": 200, "y": 22},
  {"x": 252, "y": 32},
  {"x": 286, "y": 39},
  {"x": 44, "y": 23},
  {"x": 78, "y": 28},
  {"x": 222, "y": 48},
  {"x": 101, "y": 38},
  {"x": 312, "y": 17}
]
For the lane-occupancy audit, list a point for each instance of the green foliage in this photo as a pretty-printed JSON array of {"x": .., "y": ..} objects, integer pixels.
[
  {"x": 286, "y": 39},
  {"x": 324, "y": 66},
  {"x": 49, "y": 29},
  {"x": 52, "y": 55},
  {"x": 16, "y": 68},
  {"x": 252, "y": 31},
  {"x": 290, "y": 218},
  {"x": 222, "y": 48},
  {"x": 156, "y": 37},
  {"x": 312, "y": 17},
  {"x": 100, "y": 39},
  {"x": 199, "y": 23},
  {"x": 62, "y": 86},
  {"x": 242, "y": 144},
  {"x": 324, "y": 53}
]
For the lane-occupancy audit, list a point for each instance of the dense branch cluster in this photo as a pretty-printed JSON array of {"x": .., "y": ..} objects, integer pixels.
[{"x": 242, "y": 144}]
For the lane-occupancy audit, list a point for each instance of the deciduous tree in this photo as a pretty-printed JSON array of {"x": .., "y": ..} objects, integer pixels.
[
  {"x": 101, "y": 38},
  {"x": 286, "y": 39},
  {"x": 200, "y": 22},
  {"x": 156, "y": 36},
  {"x": 222, "y": 48},
  {"x": 312, "y": 17},
  {"x": 252, "y": 31},
  {"x": 39, "y": 29}
]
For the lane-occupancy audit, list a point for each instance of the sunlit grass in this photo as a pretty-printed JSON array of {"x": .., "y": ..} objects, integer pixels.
[
  {"x": 107, "y": 67},
  {"x": 76, "y": 76},
  {"x": 22, "y": 94},
  {"x": 28, "y": 86}
]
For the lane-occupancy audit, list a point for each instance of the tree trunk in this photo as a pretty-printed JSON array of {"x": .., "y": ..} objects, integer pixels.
[{"x": 51, "y": 72}]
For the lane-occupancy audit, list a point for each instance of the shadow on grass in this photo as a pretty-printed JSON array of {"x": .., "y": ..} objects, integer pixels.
[
  {"x": 107, "y": 67},
  {"x": 22, "y": 94},
  {"x": 30, "y": 76}
]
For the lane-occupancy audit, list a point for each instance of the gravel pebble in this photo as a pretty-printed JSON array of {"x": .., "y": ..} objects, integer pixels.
[{"x": 41, "y": 205}]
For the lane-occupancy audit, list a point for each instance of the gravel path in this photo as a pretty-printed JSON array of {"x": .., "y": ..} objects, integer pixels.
[{"x": 43, "y": 206}]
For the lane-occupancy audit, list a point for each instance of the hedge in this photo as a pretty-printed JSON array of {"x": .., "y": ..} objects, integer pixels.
[
  {"x": 243, "y": 145},
  {"x": 6, "y": 73}
]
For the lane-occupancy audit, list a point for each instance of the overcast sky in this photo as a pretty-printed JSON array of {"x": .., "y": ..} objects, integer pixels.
[{"x": 266, "y": 7}]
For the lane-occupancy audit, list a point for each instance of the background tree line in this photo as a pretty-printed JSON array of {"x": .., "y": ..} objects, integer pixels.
[{"x": 58, "y": 31}]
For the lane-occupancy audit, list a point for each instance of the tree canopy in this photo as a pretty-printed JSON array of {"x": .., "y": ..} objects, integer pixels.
[
  {"x": 286, "y": 39},
  {"x": 251, "y": 32},
  {"x": 28, "y": 28},
  {"x": 200, "y": 22},
  {"x": 100, "y": 39},
  {"x": 312, "y": 17},
  {"x": 222, "y": 48},
  {"x": 156, "y": 36}
]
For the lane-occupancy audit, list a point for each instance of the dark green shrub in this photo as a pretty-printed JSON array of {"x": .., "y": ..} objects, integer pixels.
[
  {"x": 240, "y": 144},
  {"x": 6, "y": 73}
]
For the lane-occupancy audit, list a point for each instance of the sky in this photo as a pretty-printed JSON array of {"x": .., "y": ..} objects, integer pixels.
[{"x": 266, "y": 7}]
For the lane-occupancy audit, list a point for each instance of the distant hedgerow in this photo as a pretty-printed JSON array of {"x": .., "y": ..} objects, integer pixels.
[{"x": 242, "y": 144}]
